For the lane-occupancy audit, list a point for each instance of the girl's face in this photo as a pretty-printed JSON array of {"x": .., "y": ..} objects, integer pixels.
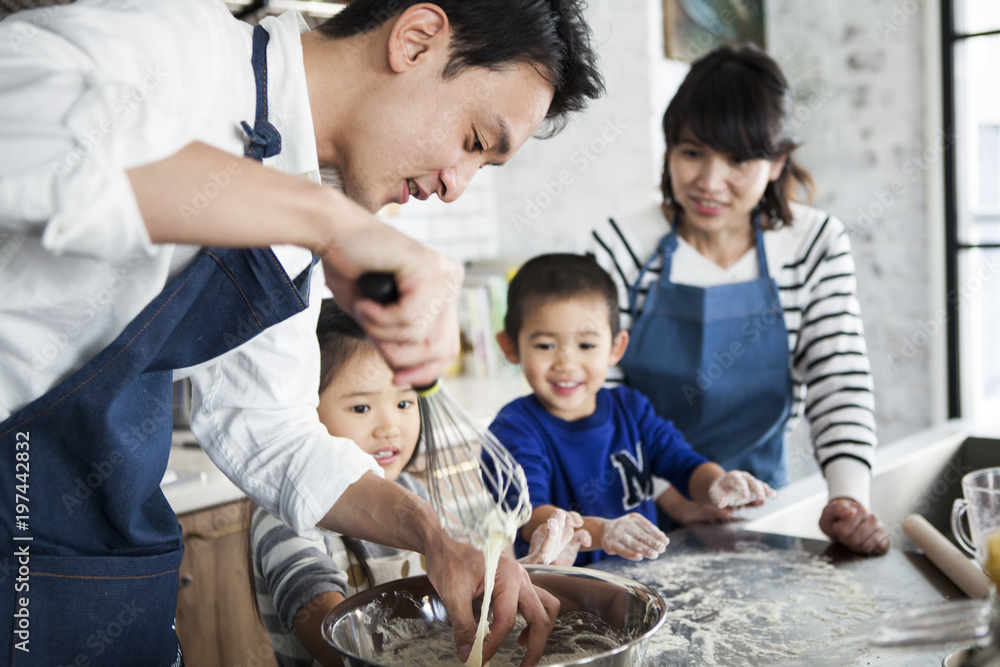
[
  {"x": 716, "y": 192},
  {"x": 362, "y": 404}
]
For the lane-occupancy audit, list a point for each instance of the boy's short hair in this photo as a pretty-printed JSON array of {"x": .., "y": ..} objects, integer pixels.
[
  {"x": 551, "y": 35},
  {"x": 558, "y": 276}
]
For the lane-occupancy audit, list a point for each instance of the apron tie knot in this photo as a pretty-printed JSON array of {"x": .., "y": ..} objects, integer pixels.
[{"x": 265, "y": 140}]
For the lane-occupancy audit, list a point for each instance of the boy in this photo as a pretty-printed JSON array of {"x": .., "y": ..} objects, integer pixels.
[{"x": 583, "y": 447}]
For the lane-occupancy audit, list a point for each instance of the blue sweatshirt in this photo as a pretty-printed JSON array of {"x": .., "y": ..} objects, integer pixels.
[{"x": 601, "y": 465}]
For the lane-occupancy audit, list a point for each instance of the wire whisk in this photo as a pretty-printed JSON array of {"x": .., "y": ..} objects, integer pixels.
[{"x": 475, "y": 485}]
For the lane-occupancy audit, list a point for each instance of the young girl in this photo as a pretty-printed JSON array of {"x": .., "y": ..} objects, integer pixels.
[
  {"x": 297, "y": 579},
  {"x": 742, "y": 304}
]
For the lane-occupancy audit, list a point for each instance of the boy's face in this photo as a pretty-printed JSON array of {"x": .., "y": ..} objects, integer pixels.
[
  {"x": 362, "y": 404},
  {"x": 565, "y": 348}
]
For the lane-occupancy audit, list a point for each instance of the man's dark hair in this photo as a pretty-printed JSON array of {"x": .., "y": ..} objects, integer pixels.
[
  {"x": 558, "y": 276},
  {"x": 737, "y": 101},
  {"x": 550, "y": 35}
]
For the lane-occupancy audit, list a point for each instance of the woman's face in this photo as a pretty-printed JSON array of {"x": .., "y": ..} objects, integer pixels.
[
  {"x": 362, "y": 403},
  {"x": 716, "y": 192}
]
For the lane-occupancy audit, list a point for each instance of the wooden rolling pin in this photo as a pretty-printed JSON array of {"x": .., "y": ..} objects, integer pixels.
[{"x": 955, "y": 565}]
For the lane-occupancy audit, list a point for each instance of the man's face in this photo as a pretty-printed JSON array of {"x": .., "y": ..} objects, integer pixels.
[{"x": 428, "y": 135}]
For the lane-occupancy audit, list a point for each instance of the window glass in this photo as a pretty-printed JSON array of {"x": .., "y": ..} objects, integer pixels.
[
  {"x": 975, "y": 16},
  {"x": 978, "y": 296},
  {"x": 977, "y": 134}
]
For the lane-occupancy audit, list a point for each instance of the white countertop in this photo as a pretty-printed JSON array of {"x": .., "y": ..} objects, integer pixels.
[{"x": 200, "y": 484}]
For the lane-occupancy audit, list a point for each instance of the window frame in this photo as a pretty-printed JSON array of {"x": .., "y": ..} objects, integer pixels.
[{"x": 954, "y": 247}]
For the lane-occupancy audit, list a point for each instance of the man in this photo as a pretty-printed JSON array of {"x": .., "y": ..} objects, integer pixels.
[{"x": 124, "y": 199}]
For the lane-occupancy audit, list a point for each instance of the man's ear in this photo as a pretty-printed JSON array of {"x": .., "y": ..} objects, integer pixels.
[
  {"x": 506, "y": 344},
  {"x": 618, "y": 347},
  {"x": 417, "y": 31}
]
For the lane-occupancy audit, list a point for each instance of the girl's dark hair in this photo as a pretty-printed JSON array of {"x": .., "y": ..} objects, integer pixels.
[
  {"x": 558, "y": 276},
  {"x": 737, "y": 101},
  {"x": 340, "y": 338},
  {"x": 550, "y": 35}
]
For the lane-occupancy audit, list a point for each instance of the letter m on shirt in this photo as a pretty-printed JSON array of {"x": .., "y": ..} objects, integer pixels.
[{"x": 637, "y": 486}]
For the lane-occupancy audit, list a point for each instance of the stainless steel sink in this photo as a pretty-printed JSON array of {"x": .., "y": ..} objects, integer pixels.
[{"x": 921, "y": 473}]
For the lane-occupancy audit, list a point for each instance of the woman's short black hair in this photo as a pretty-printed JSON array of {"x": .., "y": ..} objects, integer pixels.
[
  {"x": 558, "y": 276},
  {"x": 736, "y": 100},
  {"x": 550, "y": 35}
]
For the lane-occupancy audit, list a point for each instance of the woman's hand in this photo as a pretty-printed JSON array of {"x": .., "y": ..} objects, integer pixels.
[
  {"x": 633, "y": 536},
  {"x": 845, "y": 520},
  {"x": 558, "y": 541},
  {"x": 739, "y": 489}
]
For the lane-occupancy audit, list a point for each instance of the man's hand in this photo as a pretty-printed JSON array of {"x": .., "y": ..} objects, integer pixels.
[
  {"x": 456, "y": 571},
  {"x": 633, "y": 536},
  {"x": 558, "y": 541},
  {"x": 418, "y": 334},
  {"x": 845, "y": 520}
]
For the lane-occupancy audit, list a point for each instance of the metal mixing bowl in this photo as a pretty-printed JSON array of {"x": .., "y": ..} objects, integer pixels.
[{"x": 632, "y": 610}]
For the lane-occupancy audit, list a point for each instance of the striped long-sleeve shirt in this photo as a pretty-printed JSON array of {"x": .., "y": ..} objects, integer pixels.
[
  {"x": 811, "y": 263},
  {"x": 290, "y": 570}
]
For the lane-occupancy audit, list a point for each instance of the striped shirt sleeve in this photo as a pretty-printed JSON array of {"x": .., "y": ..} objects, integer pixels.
[{"x": 830, "y": 364}]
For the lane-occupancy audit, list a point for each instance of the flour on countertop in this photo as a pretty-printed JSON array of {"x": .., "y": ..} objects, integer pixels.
[{"x": 734, "y": 608}]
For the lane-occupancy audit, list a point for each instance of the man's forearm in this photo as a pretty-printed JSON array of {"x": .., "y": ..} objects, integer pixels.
[
  {"x": 379, "y": 511},
  {"x": 201, "y": 195}
]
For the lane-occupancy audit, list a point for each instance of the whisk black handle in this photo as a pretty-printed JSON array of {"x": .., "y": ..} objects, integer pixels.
[{"x": 379, "y": 287}]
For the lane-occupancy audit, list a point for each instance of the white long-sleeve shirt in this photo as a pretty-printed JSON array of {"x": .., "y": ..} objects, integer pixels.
[
  {"x": 811, "y": 263},
  {"x": 88, "y": 91}
]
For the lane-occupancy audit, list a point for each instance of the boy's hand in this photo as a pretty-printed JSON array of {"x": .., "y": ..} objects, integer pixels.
[
  {"x": 558, "y": 541},
  {"x": 633, "y": 536},
  {"x": 738, "y": 489}
]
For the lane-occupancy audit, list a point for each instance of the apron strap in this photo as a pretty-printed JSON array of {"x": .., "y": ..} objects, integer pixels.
[
  {"x": 265, "y": 140},
  {"x": 664, "y": 249}
]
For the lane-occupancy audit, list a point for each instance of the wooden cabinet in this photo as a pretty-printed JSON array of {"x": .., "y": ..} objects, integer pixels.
[{"x": 216, "y": 620}]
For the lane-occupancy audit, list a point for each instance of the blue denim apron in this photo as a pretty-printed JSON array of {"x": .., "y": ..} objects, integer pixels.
[
  {"x": 96, "y": 547},
  {"x": 715, "y": 361}
]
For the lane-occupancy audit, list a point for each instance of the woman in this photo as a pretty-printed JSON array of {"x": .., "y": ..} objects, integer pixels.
[{"x": 742, "y": 304}]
